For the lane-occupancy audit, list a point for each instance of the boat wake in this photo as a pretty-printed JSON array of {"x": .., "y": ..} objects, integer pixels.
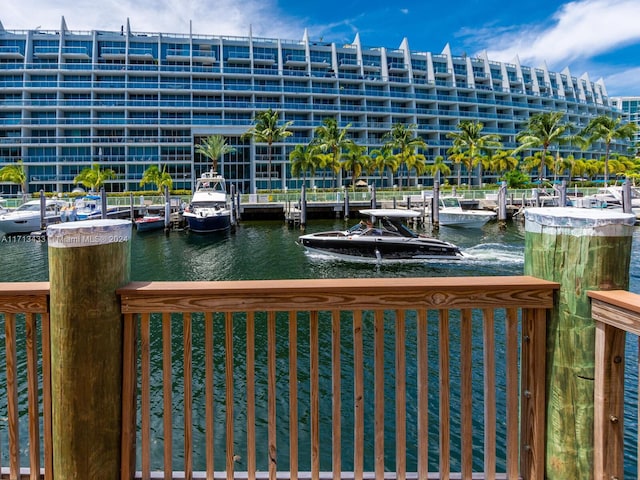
[{"x": 494, "y": 253}]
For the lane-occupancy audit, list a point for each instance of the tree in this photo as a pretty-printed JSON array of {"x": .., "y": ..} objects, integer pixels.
[
  {"x": 15, "y": 173},
  {"x": 469, "y": 145},
  {"x": 402, "y": 140},
  {"x": 543, "y": 130},
  {"x": 303, "y": 159},
  {"x": 608, "y": 130},
  {"x": 355, "y": 159},
  {"x": 214, "y": 147},
  {"x": 157, "y": 177},
  {"x": 266, "y": 130},
  {"x": 383, "y": 159},
  {"x": 331, "y": 140},
  {"x": 439, "y": 168},
  {"x": 502, "y": 161},
  {"x": 94, "y": 177}
]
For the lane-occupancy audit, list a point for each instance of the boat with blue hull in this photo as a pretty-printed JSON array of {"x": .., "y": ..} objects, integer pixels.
[{"x": 209, "y": 209}]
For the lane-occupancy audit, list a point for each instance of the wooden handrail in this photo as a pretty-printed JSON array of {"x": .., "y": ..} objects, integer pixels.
[
  {"x": 291, "y": 298},
  {"x": 208, "y": 312},
  {"x": 616, "y": 313}
]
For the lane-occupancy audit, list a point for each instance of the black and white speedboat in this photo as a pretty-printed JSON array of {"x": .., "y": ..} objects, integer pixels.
[
  {"x": 385, "y": 237},
  {"x": 209, "y": 209}
]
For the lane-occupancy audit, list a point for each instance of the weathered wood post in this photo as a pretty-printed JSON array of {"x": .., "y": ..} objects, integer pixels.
[
  {"x": 87, "y": 262},
  {"x": 132, "y": 214},
  {"x": 303, "y": 207},
  {"x": 502, "y": 204},
  {"x": 346, "y": 204},
  {"x": 582, "y": 249},
  {"x": 374, "y": 203},
  {"x": 626, "y": 197},
  {"x": 435, "y": 206},
  {"x": 43, "y": 210},
  {"x": 103, "y": 203}
]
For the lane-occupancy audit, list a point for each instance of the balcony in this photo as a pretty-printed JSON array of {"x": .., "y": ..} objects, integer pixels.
[{"x": 11, "y": 53}]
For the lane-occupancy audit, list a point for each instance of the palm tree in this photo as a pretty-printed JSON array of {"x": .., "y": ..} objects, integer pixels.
[
  {"x": 94, "y": 177},
  {"x": 502, "y": 161},
  {"x": 303, "y": 159},
  {"x": 266, "y": 130},
  {"x": 608, "y": 130},
  {"x": 543, "y": 130},
  {"x": 355, "y": 159},
  {"x": 439, "y": 168},
  {"x": 331, "y": 140},
  {"x": 15, "y": 173},
  {"x": 157, "y": 177},
  {"x": 214, "y": 147},
  {"x": 383, "y": 159},
  {"x": 469, "y": 145},
  {"x": 402, "y": 140}
]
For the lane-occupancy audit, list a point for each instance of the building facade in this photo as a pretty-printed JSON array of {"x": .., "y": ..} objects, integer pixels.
[
  {"x": 128, "y": 100},
  {"x": 630, "y": 108}
]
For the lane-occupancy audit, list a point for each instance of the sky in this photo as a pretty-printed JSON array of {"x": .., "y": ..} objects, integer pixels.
[{"x": 597, "y": 37}]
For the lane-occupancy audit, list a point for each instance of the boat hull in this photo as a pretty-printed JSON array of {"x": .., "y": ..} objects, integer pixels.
[
  {"x": 19, "y": 225},
  {"x": 465, "y": 219},
  {"x": 380, "y": 249},
  {"x": 208, "y": 224},
  {"x": 149, "y": 225}
]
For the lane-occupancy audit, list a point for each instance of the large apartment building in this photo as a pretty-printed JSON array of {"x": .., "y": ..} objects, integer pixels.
[
  {"x": 630, "y": 108},
  {"x": 127, "y": 100}
]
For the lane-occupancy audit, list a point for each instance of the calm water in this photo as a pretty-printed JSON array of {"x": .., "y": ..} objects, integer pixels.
[{"x": 268, "y": 250}]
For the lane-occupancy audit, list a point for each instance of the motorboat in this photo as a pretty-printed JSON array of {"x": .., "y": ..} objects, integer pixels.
[
  {"x": 149, "y": 222},
  {"x": 209, "y": 209},
  {"x": 27, "y": 217},
  {"x": 451, "y": 214},
  {"x": 385, "y": 237}
]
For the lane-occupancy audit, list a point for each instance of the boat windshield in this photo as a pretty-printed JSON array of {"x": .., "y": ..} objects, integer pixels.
[
  {"x": 397, "y": 226},
  {"x": 28, "y": 207}
]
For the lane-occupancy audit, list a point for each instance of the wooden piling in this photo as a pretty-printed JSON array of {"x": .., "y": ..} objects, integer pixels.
[
  {"x": 582, "y": 249},
  {"x": 435, "y": 206},
  {"x": 103, "y": 204},
  {"x": 502, "y": 204},
  {"x": 303, "y": 207},
  {"x": 346, "y": 204},
  {"x": 88, "y": 261},
  {"x": 43, "y": 210}
]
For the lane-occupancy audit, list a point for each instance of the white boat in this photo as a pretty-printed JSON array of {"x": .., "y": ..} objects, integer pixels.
[
  {"x": 384, "y": 238},
  {"x": 26, "y": 218},
  {"x": 209, "y": 209},
  {"x": 451, "y": 214}
]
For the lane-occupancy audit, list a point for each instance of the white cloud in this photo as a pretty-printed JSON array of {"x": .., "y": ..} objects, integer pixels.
[
  {"x": 624, "y": 83},
  {"x": 580, "y": 29},
  {"x": 208, "y": 17}
]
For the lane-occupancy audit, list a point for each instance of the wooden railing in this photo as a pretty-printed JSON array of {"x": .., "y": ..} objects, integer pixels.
[
  {"x": 616, "y": 313},
  {"x": 24, "y": 307},
  {"x": 317, "y": 378}
]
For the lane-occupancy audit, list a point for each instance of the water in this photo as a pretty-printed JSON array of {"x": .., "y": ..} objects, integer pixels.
[{"x": 268, "y": 250}]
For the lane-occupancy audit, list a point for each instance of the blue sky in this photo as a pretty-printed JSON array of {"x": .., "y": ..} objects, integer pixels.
[{"x": 597, "y": 37}]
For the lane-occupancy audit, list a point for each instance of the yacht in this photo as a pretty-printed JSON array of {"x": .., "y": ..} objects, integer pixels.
[
  {"x": 27, "y": 217},
  {"x": 209, "y": 209},
  {"x": 451, "y": 214}
]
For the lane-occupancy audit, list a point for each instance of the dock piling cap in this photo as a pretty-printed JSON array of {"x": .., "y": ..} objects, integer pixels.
[
  {"x": 579, "y": 221},
  {"x": 88, "y": 233}
]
